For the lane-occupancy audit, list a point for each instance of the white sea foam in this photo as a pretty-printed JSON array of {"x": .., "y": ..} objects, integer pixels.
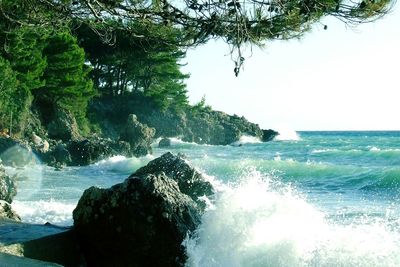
[
  {"x": 43, "y": 211},
  {"x": 324, "y": 150},
  {"x": 123, "y": 164},
  {"x": 247, "y": 139},
  {"x": 287, "y": 134},
  {"x": 374, "y": 148},
  {"x": 260, "y": 223}
]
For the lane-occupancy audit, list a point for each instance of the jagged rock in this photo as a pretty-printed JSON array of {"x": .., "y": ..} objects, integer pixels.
[
  {"x": 63, "y": 126},
  {"x": 7, "y": 186},
  {"x": 89, "y": 151},
  {"x": 140, "y": 222},
  {"x": 269, "y": 135},
  {"x": 190, "y": 181},
  {"x": 138, "y": 135},
  {"x": 7, "y": 212},
  {"x": 165, "y": 142},
  {"x": 218, "y": 128},
  {"x": 58, "y": 156}
]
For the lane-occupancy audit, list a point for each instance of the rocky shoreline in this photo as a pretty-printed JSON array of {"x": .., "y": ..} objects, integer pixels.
[
  {"x": 60, "y": 144},
  {"x": 142, "y": 221}
]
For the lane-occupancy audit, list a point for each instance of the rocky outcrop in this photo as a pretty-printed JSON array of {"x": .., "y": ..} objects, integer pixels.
[
  {"x": 63, "y": 126},
  {"x": 201, "y": 125},
  {"x": 7, "y": 212},
  {"x": 138, "y": 135},
  {"x": 144, "y": 220},
  {"x": 268, "y": 135},
  {"x": 88, "y": 151},
  {"x": 190, "y": 181},
  {"x": 7, "y": 192},
  {"x": 58, "y": 155},
  {"x": 7, "y": 186},
  {"x": 165, "y": 142},
  {"x": 141, "y": 222}
]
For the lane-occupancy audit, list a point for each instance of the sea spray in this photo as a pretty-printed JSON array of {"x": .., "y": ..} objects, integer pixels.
[
  {"x": 42, "y": 211},
  {"x": 287, "y": 134},
  {"x": 262, "y": 222},
  {"x": 123, "y": 164},
  {"x": 246, "y": 139}
]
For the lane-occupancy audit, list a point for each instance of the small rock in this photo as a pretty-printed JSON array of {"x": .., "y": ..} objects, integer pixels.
[
  {"x": 7, "y": 212},
  {"x": 165, "y": 142}
]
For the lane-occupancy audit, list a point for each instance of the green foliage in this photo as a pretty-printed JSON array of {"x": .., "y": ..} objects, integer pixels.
[
  {"x": 137, "y": 64},
  {"x": 66, "y": 76},
  {"x": 200, "y": 107},
  {"x": 8, "y": 93},
  {"x": 25, "y": 46},
  {"x": 23, "y": 50}
]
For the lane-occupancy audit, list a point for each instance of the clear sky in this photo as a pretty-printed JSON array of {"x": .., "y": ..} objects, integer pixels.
[{"x": 335, "y": 79}]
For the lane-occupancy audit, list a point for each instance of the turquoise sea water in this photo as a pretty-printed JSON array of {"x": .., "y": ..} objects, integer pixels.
[{"x": 317, "y": 199}]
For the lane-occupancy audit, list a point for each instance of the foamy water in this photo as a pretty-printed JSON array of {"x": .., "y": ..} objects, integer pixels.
[
  {"x": 261, "y": 222},
  {"x": 325, "y": 199}
]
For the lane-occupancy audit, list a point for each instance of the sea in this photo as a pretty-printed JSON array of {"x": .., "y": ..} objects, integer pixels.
[{"x": 304, "y": 199}]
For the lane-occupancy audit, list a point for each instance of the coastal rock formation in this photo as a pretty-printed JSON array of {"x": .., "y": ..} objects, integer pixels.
[
  {"x": 190, "y": 181},
  {"x": 7, "y": 212},
  {"x": 268, "y": 135},
  {"x": 63, "y": 126},
  {"x": 140, "y": 222},
  {"x": 88, "y": 151},
  {"x": 7, "y": 186},
  {"x": 7, "y": 192},
  {"x": 201, "y": 125},
  {"x": 165, "y": 142},
  {"x": 144, "y": 220},
  {"x": 58, "y": 156},
  {"x": 138, "y": 135}
]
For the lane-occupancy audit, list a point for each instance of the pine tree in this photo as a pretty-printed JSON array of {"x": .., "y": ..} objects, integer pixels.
[
  {"x": 66, "y": 76},
  {"x": 24, "y": 52},
  {"x": 8, "y": 90}
]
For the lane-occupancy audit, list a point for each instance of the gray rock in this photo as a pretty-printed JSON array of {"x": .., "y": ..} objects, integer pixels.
[
  {"x": 269, "y": 135},
  {"x": 165, "y": 142},
  {"x": 89, "y": 151},
  {"x": 63, "y": 126},
  {"x": 138, "y": 135},
  {"x": 140, "y": 222},
  {"x": 7, "y": 186},
  {"x": 190, "y": 181},
  {"x": 58, "y": 156}
]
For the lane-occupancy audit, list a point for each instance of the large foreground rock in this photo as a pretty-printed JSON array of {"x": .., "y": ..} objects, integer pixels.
[
  {"x": 144, "y": 220},
  {"x": 140, "y": 222}
]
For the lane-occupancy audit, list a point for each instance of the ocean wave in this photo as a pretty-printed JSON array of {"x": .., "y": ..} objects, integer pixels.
[
  {"x": 247, "y": 139},
  {"x": 42, "y": 211},
  {"x": 123, "y": 164},
  {"x": 324, "y": 150},
  {"x": 261, "y": 223},
  {"x": 388, "y": 179}
]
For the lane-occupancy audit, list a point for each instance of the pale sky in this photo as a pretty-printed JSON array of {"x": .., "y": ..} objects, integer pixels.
[{"x": 335, "y": 79}]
